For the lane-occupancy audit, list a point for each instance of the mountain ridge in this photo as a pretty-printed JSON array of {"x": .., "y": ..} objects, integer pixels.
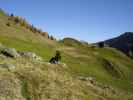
[{"x": 123, "y": 42}]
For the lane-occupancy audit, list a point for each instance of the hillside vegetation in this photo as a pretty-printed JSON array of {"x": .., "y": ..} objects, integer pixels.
[{"x": 86, "y": 72}]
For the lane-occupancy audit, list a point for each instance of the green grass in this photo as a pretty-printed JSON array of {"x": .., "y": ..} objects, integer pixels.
[
  {"x": 25, "y": 91},
  {"x": 43, "y": 50},
  {"x": 94, "y": 66},
  {"x": 91, "y": 66}
]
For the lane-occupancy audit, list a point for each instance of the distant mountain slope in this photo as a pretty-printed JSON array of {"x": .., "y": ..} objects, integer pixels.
[{"x": 123, "y": 43}]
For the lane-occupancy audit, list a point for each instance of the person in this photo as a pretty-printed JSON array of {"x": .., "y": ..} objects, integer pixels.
[{"x": 56, "y": 59}]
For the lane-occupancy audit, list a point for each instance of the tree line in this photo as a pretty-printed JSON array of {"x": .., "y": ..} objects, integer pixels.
[{"x": 23, "y": 23}]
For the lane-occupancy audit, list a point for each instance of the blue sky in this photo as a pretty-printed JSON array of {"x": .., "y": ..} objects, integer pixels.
[{"x": 89, "y": 20}]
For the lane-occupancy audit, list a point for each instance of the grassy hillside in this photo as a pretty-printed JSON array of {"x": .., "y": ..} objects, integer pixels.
[
  {"x": 97, "y": 62},
  {"x": 22, "y": 38},
  {"x": 106, "y": 65}
]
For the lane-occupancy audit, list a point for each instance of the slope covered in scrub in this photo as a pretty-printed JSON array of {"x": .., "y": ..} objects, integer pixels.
[{"x": 22, "y": 78}]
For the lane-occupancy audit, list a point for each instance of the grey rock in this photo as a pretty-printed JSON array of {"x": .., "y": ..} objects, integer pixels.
[
  {"x": 88, "y": 79},
  {"x": 10, "y": 52},
  {"x": 31, "y": 55},
  {"x": 8, "y": 66}
]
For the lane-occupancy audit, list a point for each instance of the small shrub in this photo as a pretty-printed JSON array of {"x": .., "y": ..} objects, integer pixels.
[
  {"x": 16, "y": 20},
  {"x": 12, "y": 15},
  {"x": 8, "y": 24},
  {"x": 51, "y": 37},
  {"x": 101, "y": 44},
  {"x": 48, "y": 37},
  {"x": 44, "y": 34},
  {"x": 93, "y": 46},
  {"x": 23, "y": 22},
  {"x": 39, "y": 30}
]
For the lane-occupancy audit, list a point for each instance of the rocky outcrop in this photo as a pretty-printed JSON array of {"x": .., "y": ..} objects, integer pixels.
[
  {"x": 31, "y": 55},
  {"x": 10, "y": 52},
  {"x": 13, "y": 53},
  {"x": 10, "y": 67}
]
